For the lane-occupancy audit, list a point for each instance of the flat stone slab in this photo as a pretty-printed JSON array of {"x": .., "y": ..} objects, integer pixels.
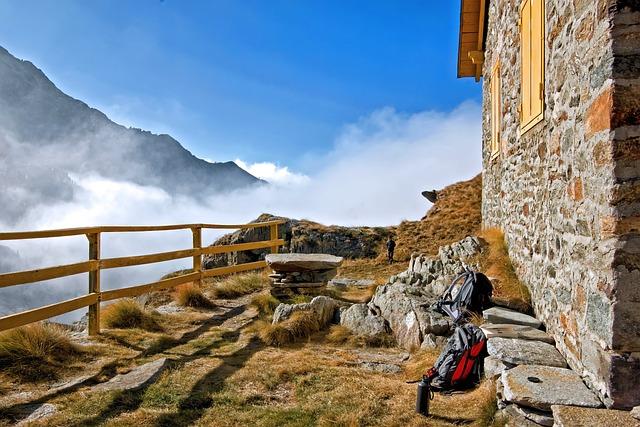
[
  {"x": 523, "y": 352},
  {"x": 36, "y": 412},
  {"x": 135, "y": 378},
  {"x": 571, "y": 416},
  {"x": 506, "y": 330},
  {"x": 494, "y": 367},
  {"x": 303, "y": 262},
  {"x": 504, "y": 315},
  {"x": 543, "y": 418},
  {"x": 540, "y": 387}
]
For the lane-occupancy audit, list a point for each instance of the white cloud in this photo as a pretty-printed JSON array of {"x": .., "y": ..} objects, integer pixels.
[
  {"x": 273, "y": 173},
  {"x": 372, "y": 176}
]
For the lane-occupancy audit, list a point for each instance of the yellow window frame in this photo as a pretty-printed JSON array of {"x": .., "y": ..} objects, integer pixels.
[
  {"x": 496, "y": 111},
  {"x": 532, "y": 52}
]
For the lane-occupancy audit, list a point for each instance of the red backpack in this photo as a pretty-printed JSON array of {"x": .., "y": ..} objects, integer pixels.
[{"x": 460, "y": 363}]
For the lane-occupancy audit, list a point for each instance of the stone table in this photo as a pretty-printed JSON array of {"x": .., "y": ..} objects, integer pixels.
[{"x": 296, "y": 271}]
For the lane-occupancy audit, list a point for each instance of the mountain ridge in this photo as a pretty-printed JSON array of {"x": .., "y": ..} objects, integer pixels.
[{"x": 46, "y": 134}]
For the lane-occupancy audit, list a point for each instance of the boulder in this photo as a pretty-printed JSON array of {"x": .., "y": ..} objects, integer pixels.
[
  {"x": 540, "y": 387},
  {"x": 505, "y": 315},
  {"x": 505, "y": 330},
  {"x": 302, "y": 262},
  {"x": 407, "y": 310},
  {"x": 432, "y": 341},
  {"x": 322, "y": 306},
  {"x": 635, "y": 412},
  {"x": 360, "y": 320},
  {"x": 571, "y": 416},
  {"x": 494, "y": 367},
  {"x": 522, "y": 352},
  {"x": 136, "y": 378}
]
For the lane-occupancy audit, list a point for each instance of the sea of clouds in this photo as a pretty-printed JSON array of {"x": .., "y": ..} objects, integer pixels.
[{"x": 373, "y": 175}]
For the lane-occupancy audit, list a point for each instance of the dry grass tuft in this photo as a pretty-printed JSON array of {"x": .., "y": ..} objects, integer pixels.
[
  {"x": 36, "y": 352},
  {"x": 240, "y": 284},
  {"x": 341, "y": 335},
  {"x": 508, "y": 289},
  {"x": 300, "y": 325},
  {"x": 191, "y": 295},
  {"x": 128, "y": 314},
  {"x": 455, "y": 215},
  {"x": 265, "y": 303},
  {"x": 487, "y": 405}
]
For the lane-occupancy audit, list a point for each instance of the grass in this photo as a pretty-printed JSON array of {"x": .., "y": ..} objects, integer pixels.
[
  {"x": 496, "y": 264},
  {"x": 240, "y": 284},
  {"x": 300, "y": 325},
  {"x": 128, "y": 314},
  {"x": 36, "y": 352},
  {"x": 191, "y": 295},
  {"x": 341, "y": 335}
]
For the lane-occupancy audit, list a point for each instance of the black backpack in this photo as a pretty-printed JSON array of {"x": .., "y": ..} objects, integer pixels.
[
  {"x": 460, "y": 363},
  {"x": 474, "y": 295}
]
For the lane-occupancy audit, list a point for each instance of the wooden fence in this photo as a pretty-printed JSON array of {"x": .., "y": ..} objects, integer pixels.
[{"x": 95, "y": 264}]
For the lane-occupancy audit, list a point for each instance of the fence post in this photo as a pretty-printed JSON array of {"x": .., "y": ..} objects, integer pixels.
[
  {"x": 94, "y": 283},
  {"x": 197, "y": 259},
  {"x": 274, "y": 236}
]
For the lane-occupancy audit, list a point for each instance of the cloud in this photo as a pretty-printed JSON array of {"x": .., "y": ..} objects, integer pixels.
[
  {"x": 273, "y": 173},
  {"x": 373, "y": 175}
]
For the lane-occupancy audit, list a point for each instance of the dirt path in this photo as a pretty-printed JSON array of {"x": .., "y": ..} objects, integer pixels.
[{"x": 220, "y": 374}]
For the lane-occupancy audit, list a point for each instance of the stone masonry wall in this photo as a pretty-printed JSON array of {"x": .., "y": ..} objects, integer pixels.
[{"x": 566, "y": 192}]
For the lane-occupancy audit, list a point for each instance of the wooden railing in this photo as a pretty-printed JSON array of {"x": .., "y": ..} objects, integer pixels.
[{"x": 95, "y": 264}]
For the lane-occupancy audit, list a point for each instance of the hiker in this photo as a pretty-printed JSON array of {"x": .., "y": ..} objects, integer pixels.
[{"x": 391, "y": 246}]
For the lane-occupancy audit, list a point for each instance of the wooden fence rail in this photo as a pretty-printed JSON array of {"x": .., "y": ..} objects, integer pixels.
[{"x": 95, "y": 264}]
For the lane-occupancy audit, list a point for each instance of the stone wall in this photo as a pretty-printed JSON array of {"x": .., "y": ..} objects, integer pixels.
[{"x": 566, "y": 192}]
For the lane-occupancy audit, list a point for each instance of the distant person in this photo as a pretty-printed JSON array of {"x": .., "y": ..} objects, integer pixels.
[{"x": 391, "y": 246}]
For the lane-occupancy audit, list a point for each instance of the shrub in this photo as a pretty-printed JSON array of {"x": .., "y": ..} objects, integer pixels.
[
  {"x": 508, "y": 289},
  {"x": 300, "y": 325},
  {"x": 191, "y": 295},
  {"x": 37, "y": 351},
  {"x": 265, "y": 303},
  {"x": 128, "y": 314},
  {"x": 239, "y": 285}
]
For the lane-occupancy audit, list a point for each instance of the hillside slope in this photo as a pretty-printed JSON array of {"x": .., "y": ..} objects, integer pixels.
[{"x": 46, "y": 134}]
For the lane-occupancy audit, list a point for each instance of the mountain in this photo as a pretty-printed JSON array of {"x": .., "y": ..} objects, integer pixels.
[{"x": 46, "y": 135}]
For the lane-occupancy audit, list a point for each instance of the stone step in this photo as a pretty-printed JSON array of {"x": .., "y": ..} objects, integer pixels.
[
  {"x": 505, "y": 315},
  {"x": 136, "y": 378},
  {"x": 571, "y": 416},
  {"x": 541, "y": 387},
  {"x": 506, "y": 330},
  {"x": 302, "y": 262},
  {"x": 523, "y": 352}
]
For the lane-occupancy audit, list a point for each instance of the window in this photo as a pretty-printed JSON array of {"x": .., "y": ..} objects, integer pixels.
[
  {"x": 532, "y": 54},
  {"x": 496, "y": 110}
]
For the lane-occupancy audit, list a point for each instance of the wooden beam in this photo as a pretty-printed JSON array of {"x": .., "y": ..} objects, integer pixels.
[
  {"x": 20, "y": 235},
  {"x": 222, "y": 271},
  {"x": 273, "y": 231},
  {"x": 133, "y": 291},
  {"x": 129, "y": 261},
  {"x": 30, "y": 276},
  {"x": 20, "y": 319},
  {"x": 94, "y": 284},
  {"x": 197, "y": 257},
  {"x": 222, "y": 249}
]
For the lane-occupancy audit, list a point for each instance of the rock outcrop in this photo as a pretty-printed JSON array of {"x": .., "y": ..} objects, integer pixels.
[
  {"x": 404, "y": 304},
  {"x": 305, "y": 237}
]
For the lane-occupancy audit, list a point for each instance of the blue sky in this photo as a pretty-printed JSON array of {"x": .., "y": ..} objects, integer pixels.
[{"x": 256, "y": 80}]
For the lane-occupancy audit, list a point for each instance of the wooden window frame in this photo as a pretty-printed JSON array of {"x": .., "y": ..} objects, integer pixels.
[
  {"x": 527, "y": 65},
  {"x": 496, "y": 111}
]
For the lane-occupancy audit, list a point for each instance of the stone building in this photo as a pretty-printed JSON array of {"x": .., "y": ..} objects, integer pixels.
[{"x": 561, "y": 169}]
